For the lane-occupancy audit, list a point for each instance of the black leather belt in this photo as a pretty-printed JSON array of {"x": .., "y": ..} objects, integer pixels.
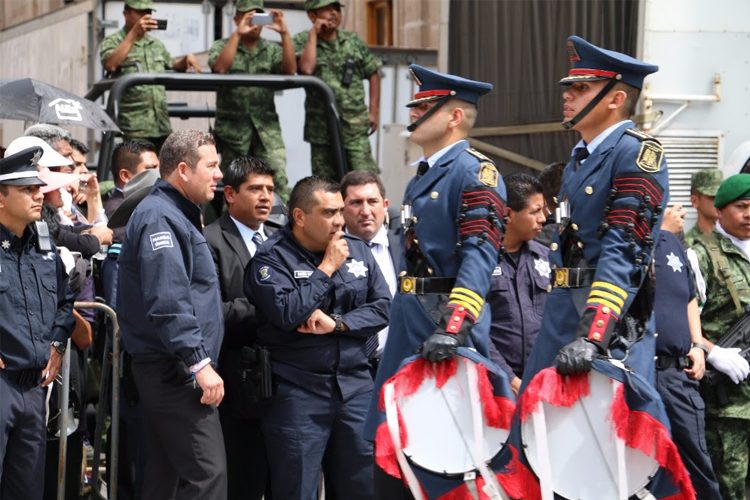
[
  {"x": 679, "y": 362},
  {"x": 23, "y": 378},
  {"x": 573, "y": 277},
  {"x": 421, "y": 286}
]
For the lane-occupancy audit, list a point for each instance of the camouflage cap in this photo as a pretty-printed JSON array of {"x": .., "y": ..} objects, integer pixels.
[
  {"x": 317, "y": 4},
  {"x": 248, "y": 5},
  {"x": 140, "y": 4},
  {"x": 707, "y": 181}
]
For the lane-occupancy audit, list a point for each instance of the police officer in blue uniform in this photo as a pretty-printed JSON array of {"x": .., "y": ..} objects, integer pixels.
[
  {"x": 518, "y": 290},
  {"x": 681, "y": 353},
  {"x": 170, "y": 311},
  {"x": 613, "y": 191},
  {"x": 452, "y": 220},
  {"x": 36, "y": 305},
  {"x": 318, "y": 295}
]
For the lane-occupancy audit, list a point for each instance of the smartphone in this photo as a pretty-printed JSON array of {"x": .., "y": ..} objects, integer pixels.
[
  {"x": 161, "y": 24},
  {"x": 262, "y": 18}
]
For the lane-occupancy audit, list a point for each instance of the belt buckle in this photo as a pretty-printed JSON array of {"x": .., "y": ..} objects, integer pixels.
[
  {"x": 562, "y": 277},
  {"x": 408, "y": 284}
]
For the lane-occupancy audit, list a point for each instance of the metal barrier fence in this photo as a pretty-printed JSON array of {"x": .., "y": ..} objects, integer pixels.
[{"x": 111, "y": 368}]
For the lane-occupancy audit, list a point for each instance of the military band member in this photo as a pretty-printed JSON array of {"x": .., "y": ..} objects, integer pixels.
[
  {"x": 453, "y": 210},
  {"x": 614, "y": 187}
]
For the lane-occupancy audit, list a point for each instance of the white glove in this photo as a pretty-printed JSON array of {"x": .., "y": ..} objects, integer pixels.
[{"x": 729, "y": 362}]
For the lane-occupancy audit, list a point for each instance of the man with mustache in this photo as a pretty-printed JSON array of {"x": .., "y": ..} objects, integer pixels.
[
  {"x": 234, "y": 238},
  {"x": 342, "y": 60},
  {"x": 318, "y": 295}
]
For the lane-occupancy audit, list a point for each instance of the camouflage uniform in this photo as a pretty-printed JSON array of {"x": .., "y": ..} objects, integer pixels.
[
  {"x": 350, "y": 101},
  {"x": 728, "y": 427},
  {"x": 246, "y": 119},
  {"x": 692, "y": 235},
  {"x": 143, "y": 109}
]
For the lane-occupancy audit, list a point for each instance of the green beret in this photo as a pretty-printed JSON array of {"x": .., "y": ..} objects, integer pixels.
[
  {"x": 140, "y": 4},
  {"x": 317, "y": 4},
  {"x": 248, "y": 5},
  {"x": 706, "y": 181},
  {"x": 736, "y": 187}
]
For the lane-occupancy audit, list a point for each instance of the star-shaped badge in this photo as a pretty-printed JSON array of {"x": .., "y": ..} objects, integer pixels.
[
  {"x": 674, "y": 262},
  {"x": 357, "y": 268},
  {"x": 542, "y": 267},
  {"x": 6, "y": 244}
]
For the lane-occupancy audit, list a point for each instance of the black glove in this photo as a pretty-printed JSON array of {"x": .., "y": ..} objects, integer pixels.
[
  {"x": 441, "y": 346},
  {"x": 576, "y": 357}
]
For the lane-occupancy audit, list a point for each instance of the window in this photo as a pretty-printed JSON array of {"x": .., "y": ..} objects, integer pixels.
[{"x": 380, "y": 22}]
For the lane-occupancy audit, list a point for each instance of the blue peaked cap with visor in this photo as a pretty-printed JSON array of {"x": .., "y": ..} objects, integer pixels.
[
  {"x": 441, "y": 87},
  {"x": 590, "y": 63}
]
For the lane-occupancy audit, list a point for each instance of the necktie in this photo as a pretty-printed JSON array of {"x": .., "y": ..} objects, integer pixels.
[
  {"x": 580, "y": 154},
  {"x": 422, "y": 168},
  {"x": 257, "y": 239}
]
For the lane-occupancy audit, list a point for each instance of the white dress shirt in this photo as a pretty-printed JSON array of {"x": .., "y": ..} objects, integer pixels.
[
  {"x": 379, "y": 247},
  {"x": 247, "y": 234}
]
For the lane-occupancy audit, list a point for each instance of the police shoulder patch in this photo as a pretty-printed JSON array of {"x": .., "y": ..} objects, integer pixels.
[
  {"x": 488, "y": 174},
  {"x": 650, "y": 156}
]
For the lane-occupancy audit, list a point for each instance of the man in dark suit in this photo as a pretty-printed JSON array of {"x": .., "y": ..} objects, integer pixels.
[
  {"x": 365, "y": 214},
  {"x": 234, "y": 238}
]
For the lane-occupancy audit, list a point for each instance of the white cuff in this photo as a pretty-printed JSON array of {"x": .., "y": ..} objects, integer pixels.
[{"x": 199, "y": 365}]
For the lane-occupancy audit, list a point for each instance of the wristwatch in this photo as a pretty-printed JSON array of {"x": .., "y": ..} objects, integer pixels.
[
  {"x": 701, "y": 346},
  {"x": 59, "y": 347},
  {"x": 339, "y": 323}
]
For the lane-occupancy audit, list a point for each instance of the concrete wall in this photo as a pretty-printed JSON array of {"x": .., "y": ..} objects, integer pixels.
[{"x": 51, "y": 48}]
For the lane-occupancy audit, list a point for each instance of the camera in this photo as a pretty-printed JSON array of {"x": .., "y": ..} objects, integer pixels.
[
  {"x": 262, "y": 18},
  {"x": 161, "y": 24}
]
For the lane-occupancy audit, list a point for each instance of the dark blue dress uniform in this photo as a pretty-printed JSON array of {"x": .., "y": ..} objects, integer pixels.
[
  {"x": 453, "y": 230},
  {"x": 615, "y": 188},
  {"x": 170, "y": 312},
  {"x": 518, "y": 292},
  {"x": 322, "y": 383},
  {"x": 675, "y": 288},
  {"x": 36, "y": 305}
]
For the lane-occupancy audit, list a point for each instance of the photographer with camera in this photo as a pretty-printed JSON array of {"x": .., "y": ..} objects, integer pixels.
[
  {"x": 246, "y": 119},
  {"x": 143, "y": 109},
  {"x": 342, "y": 60}
]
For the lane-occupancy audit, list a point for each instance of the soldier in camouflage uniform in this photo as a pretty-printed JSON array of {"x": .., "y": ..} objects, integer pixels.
[
  {"x": 246, "y": 119},
  {"x": 703, "y": 187},
  {"x": 725, "y": 265},
  {"x": 143, "y": 109},
  {"x": 342, "y": 60}
]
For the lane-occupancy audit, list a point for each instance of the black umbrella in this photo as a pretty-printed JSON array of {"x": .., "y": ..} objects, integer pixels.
[{"x": 32, "y": 100}]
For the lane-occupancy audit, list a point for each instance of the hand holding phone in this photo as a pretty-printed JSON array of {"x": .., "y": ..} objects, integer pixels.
[
  {"x": 261, "y": 18},
  {"x": 161, "y": 24}
]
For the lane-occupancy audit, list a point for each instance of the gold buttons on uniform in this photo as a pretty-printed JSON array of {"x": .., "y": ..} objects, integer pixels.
[
  {"x": 596, "y": 336},
  {"x": 434, "y": 195},
  {"x": 605, "y": 310},
  {"x": 580, "y": 244},
  {"x": 452, "y": 327},
  {"x": 600, "y": 323},
  {"x": 402, "y": 273},
  {"x": 553, "y": 247},
  {"x": 574, "y": 226},
  {"x": 588, "y": 190}
]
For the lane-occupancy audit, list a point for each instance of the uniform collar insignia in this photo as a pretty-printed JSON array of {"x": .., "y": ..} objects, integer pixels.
[{"x": 357, "y": 268}]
